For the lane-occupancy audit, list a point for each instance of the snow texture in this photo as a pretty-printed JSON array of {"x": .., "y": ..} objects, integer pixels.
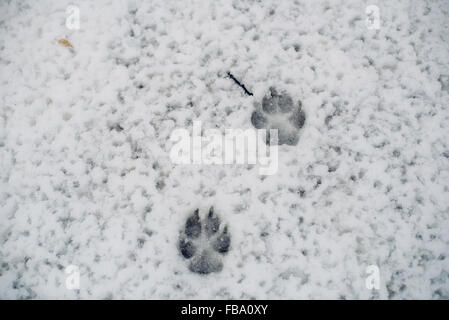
[{"x": 86, "y": 178}]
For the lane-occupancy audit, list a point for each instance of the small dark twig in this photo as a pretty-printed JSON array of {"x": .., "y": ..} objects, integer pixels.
[{"x": 241, "y": 85}]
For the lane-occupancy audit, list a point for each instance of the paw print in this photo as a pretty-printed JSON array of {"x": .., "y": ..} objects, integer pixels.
[
  {"x": 203, "y": 243},
  {"x": 279, "y": 112}
]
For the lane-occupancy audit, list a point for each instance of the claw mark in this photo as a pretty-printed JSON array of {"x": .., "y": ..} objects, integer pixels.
[{"x": 212, "y": 222}]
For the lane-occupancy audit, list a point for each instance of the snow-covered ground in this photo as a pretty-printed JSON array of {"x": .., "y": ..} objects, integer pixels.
[{"x": 86, "y": 178}]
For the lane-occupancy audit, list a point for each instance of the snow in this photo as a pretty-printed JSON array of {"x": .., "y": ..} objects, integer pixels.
[{"x": 86, "y": 178}]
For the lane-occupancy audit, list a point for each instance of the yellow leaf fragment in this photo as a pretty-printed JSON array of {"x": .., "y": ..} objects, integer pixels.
[{"x": 65, "y": 43}]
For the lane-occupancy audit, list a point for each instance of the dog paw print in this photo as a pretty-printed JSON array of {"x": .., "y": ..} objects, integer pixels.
[
  {"x": 203, "y": 242},
  {"x": 280, "y": 112}
]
